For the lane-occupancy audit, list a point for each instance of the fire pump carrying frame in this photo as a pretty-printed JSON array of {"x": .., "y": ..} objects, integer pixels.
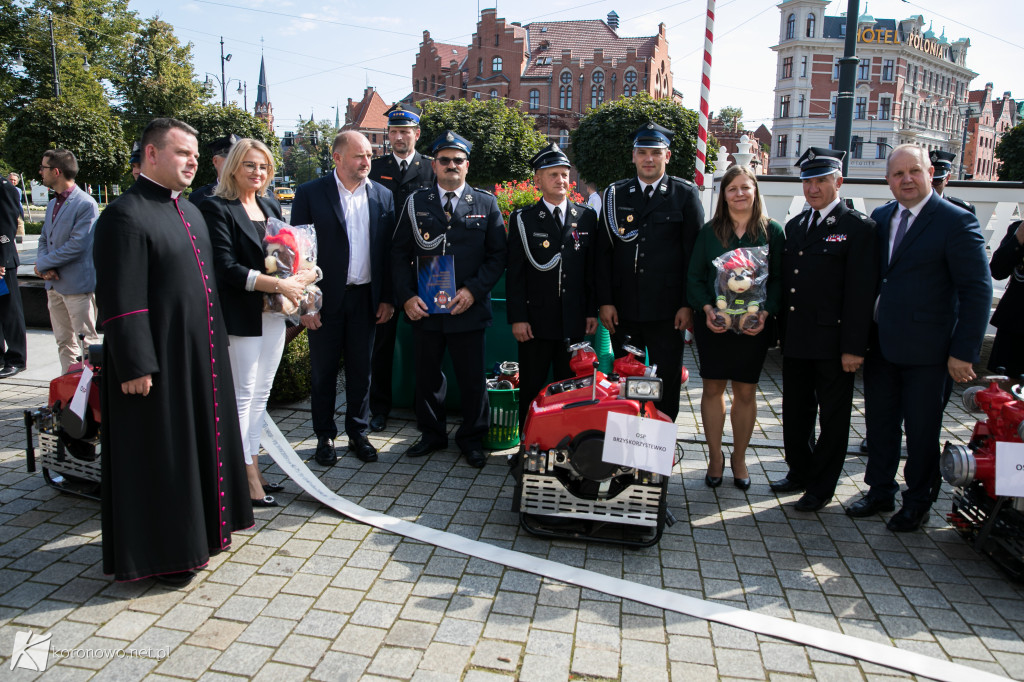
[
  {"x": 563, "y": 488},
  {"x": 993, "y": 525}
]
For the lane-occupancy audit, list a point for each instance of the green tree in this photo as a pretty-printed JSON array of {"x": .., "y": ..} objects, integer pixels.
[
  {"x": 12, "y": 42},
  {"x": 602, "y": 149},
  {"x": 213, "y": 121},
  {"x": 156, "y": 78},
  {"x": 1010, "y": 151},
  {"x": 503, "y": 138},
  {"x": 309, "y": 157},
  {"x": 731, "y": 116},
  {"x": 93, "y": 134}
]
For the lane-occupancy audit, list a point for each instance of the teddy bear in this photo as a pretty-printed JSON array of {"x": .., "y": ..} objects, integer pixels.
[
  {"x": 284, "y": 258},
  {"x": 739, "y": 292}
]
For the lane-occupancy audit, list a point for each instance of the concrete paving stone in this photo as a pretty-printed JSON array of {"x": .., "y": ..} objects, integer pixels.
[
  {"x": 558, "y": 594},
  {"x": 301, "y": 650},
  {"x": 484, "y": 676},
  {"x": 723, "y": 570},
  {"x": 637, "y": 653},
  {"x": 643, "y": 673},
  {"x": 434, "y": 586},
  {"x": 595, "y": 663},
  {"x": 306, "y": 585},
  {"x": 961, "y": 645},
  {"x": 479, "y": 586},
  {"x": 187, "y": 662},
  {"x": 424, "y": 609},
  {"x": 285, "y": 566},
  {"x": 242, "y": 608},
  {"x": 404, "y": 572},
  {"x": 507, "y": 628},
  {"x": 549, "y": 644},
  {"x": 1009, "y": 661},
  {"x": 44, "y": 614},
  {"x": 422, "y": 675},
  {"x": 926, "y": 598},
  {"x": 368, "y": 559},
  {"x": 338, "y": 600},
  {"x": 554, "y": 618},
  {"x": 691, "y": 649},
  {"x": 266, "y": 631},
  {"x": 95, "y": 644},
  {"x": 209, "y": 594},
  {"x": 515, "y": 604},
  {"x": 217, "y": 634},
  {"x": 26, "y": 594},
  {"x": 185, "y": 617},
  {"x": 871, "y": 631},
  {"x": 470, "y": 608},
  {"x": 357, "y": 639},
  {"x": 692, "y": 672},
  {"x": 127, "y": 625},
  {"x": 723, "y": 590},
  {"x": 406, "y": 633},
  {"x": 290, "y": 606},
  {"x": 322, "y": 565},
  {"x": 458, "y": 631},
  {"x": 252, "y": 554},
  {"x": 998, "y": 639},
  {"x": 277, "y": 672},
  {"x": 338, "y": 666},
  {"x": 644, "y": 628},
  {"x": 829, "y": 672},
  {"x": 125, "y": 670},
  {"x": 929, "y": 648},
  {"x": 443, "y": 657},
  {"x": 338, "y": 548},
  {"x": 58, "y": 573},
  {"x": 376, "y": 614},
  {"x": 354, "y": 578},
  {"x": 390, "y": 591},
  {"x": 850, "y": 607},
  {"x": 540, "y": 668},
  {"x": 496, "y": 655},
  {"x": 518, "y": 581},
  {"x": 63, "y": 673},
  {"x": 159, "y": 638},
  {"x": 840, "y": 586}
]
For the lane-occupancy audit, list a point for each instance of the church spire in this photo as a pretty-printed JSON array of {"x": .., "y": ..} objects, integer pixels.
[{"x": 264, "y": 110}]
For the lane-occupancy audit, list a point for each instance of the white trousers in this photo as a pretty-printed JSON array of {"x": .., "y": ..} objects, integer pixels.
[{"x": 254, "y": 361}]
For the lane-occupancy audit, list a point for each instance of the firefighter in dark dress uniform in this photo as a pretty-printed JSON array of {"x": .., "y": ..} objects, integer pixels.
[
  {"x": 403, "y": 171},
  {"x": 549, "y": 283},
  {"x": 450, "y": 219},
  {"x": 219, "y": 150},
  {"x": 942, "y": 162},
  {"x": 648, "y": 227},
  {"x": 829, "y": 276}
]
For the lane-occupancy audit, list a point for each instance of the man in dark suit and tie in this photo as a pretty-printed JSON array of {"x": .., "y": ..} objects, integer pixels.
[
  {"x": 450, "y": 219},
  {"x": 354, "y": 219},
  {"x": 403, "y": 171},
  {"x": 829, "y": 275},
  {"x": 932, "y": 309}
]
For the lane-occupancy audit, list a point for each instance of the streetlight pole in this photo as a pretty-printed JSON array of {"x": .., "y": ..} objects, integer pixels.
[
  {"x": 847, "y": 81},
  {"x": 53, "y": 57},
  {"x": 223, "y": 80}
]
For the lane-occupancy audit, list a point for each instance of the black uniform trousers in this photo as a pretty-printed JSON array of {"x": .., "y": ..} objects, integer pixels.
[
  {"x": 664, "y": 345},
  {"x": 466, "y": 350},
  {"x": 810, "y": 385},
  {"x": 12, "y": 322},
  {"x": 383, "y": 365},
  {"x": 912, "y": 397},
  {"x": 536, "y": 358},
  {"x": 348, "y": 335}
]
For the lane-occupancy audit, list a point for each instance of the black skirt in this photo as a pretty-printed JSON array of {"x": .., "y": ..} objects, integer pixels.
[{"x": 737, "y": 357}]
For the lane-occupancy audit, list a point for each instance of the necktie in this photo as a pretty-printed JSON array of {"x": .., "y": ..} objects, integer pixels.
[
  {"x": 403, "y": 165},
  {"x": 814, "y": 222},
  {"x": 901, "y": 230},
  {"x": 448, "y": 196},
  {"x": 558, "y": 215},
  {"x": 648, "y": 193}
]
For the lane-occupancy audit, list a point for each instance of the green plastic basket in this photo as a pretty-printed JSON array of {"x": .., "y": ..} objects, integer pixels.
[{"x": 503, "y": 432}]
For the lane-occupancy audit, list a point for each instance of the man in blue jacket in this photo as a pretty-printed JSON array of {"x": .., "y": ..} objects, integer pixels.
[{"x": 931, "y": 313}]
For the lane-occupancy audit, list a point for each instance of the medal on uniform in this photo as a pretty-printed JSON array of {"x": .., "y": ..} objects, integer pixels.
[
  {"x": 629, "y": 218},
  {"x": 575, "y": 238},
  {"x": 622, "y": 230},
  {"x": 545, "y": 243},
  {"x": 426, "y": 235}
]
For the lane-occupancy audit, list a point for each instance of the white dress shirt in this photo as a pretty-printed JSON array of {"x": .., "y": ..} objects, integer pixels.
[
  {"x": 561, "y": 208},
  {"x": 895, "y": 223},
  {"x": 355, "y": 206},
  {"x": 644, "y": 185},
  {"x": 458, "y": 195}
]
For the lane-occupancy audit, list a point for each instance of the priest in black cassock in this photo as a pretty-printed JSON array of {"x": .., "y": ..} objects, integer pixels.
[{"x": 174, "y": 483}]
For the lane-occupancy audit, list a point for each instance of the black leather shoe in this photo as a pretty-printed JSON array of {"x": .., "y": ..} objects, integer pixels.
[
  {"x": 378, "y": 422},
  {"x": 325, "y": 454},
  {"x": 272, "y": 488},
  {"x": 907, "y": 520},
  {"x": 868, "y": 505},
  {"x": 267, "y": 501},
  {"x": 475, "y": 458},
  {"x": 785, "y": 485},
  {"x": 810, "y": 502},
  {"x": 864, "y": 446},
  {"x": 179, "y": 579},
  {"x": 10, "y": 371},
  {"x": 362, "y": 449},
  {"x": 741, "y": 483},
  {"x": 712, "y": 481},
  {"x": 424, "y": 447}
]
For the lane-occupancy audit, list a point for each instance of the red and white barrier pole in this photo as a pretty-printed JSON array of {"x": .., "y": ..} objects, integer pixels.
[{"x": 705, "y": 93}]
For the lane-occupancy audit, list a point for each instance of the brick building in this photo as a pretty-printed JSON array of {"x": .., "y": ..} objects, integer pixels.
[
  {"x": 553, "y": 70},
  {"x": 984, "y": 130},
  {"x": 909, "y": 88},
  {"x": 368, "y": 116},
  {"x": 729, "y": 137}
]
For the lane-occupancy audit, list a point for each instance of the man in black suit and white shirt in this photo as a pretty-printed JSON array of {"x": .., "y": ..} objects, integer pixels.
[{"x": 354, "y": 219}]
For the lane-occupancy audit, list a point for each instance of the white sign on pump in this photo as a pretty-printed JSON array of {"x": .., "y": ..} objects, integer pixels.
[
  {"x": 1010, "y": 469},
  {"x": 633, "y": 441}
]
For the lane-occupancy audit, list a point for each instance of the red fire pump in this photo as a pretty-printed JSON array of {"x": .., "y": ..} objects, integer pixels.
[
  {"x": 69, "y": 445},
  {"x": 564, "y": 488},
  {"x": 993, "y": 524}
]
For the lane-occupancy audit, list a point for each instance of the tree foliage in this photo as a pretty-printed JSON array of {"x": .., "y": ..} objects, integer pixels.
[
  {"x": 504, "y": 138},
  {"x": 213, "y": 121},
  {"x": 93, "y": 134},
  {"x": 602, "y": 147},
  {"x": 1010, "y": 151},
  {"x": 731, "y": 117},
  {"x": 309, "y": 156}
]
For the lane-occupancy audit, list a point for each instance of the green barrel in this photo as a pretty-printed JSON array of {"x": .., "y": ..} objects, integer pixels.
[{"x": 503, "y": 432}]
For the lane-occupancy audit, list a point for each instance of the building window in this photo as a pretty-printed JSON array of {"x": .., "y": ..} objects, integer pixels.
[
  {"x": 881, "y": 148},
  {"x": 884, "y": 108},
  {"x": 597, "y": 77},
  {"x": 835, "y": 71},
  {"x": 496, "y": 65},
  {"x": 476, "y": 95},
  {"x": 800, "y": 109},
  {"x": 913, "y": 80},
  {"x": 565, "y": 97},
  {"x": 832, "y": 108},
  {"x": 888, "y": 68},
  {"x": 563, "y": 138},
  {"x": 629, "y": 87},
  {"x": 596, "y": 96},
  {"x": 803, "y": 67},
  {"x": 783, "y": 143},
  {"x": 864, "y": 70},
  {"x": 535, "y": 99},
  {"x": 860, "y": 109},
  {"x": 791, "y": 27},
  {"x": 784, "y": 106},
  {"x": 810, "y": 25},
  {"x": 480, "y": 66},
  {"x": 494, "y": 94},
  {"x": 857, "y": 147},
  {"x": 787, "y": 67},
  {"x": 799, "y": 141}
]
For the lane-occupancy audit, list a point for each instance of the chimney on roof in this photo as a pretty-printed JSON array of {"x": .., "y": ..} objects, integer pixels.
[{"x": 613, "y": 20}]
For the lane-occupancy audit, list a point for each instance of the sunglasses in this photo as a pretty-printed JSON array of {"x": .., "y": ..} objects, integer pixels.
[{"x": 451, "y": 160}]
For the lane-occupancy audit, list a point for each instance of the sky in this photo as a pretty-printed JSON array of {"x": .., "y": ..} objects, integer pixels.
[{"x": 319, "y": 54}]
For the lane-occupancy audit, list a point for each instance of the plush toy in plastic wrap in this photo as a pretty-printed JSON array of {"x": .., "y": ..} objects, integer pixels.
[
  {"x": 740, "y": 287},
  {"x": 289, "y": 249}
]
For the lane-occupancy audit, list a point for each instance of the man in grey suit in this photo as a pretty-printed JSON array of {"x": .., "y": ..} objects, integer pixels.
[
  {"x": 64, "y": 257},
  {"x": 934, "y": 297}
]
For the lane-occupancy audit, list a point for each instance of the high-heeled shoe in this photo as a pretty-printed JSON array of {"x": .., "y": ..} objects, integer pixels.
[
  {"x": 741, "y": 483},
  {"x": 712, "y": 481},
  {"x": 267, "y": 501}
]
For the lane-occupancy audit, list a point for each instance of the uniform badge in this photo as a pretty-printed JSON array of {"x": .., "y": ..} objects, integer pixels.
[
  {"x": 831, "y": 220},
  {"x": 442, "y": 299},
  {"x": 664, "y": 188},
  {"x": 4, "y": 239},
  {"x": 426, "y": 235},
  {"x": 468, "y": 198},
  {"x": 542, "y": 215},
  {"x": 450, "y": 137},
  {"x": 811, "y": 155},
  {"x": 575, "y": 237},
  {"x": 573, "y": 211},
  {"x": 545, "y": 243},
  {"x": 431, "y": 196},
  {"x": 629, "y": 219},
  {"x": 622, "y": 230}
]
